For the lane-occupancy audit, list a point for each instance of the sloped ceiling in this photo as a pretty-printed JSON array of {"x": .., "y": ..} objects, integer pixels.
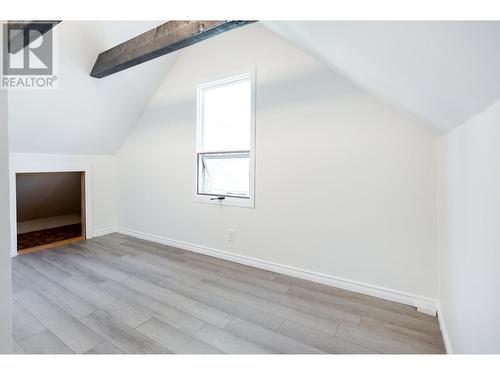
[
  {"x": 442, "y": 72},
  {"x": 85, "y": 115}
]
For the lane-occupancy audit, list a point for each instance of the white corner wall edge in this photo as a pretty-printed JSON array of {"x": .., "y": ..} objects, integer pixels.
[
  {"x": 444, "y": 331},
  {"x": 423, "y": 304}
]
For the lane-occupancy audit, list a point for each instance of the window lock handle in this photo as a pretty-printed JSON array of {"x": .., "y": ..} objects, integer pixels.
[{"x": 218, "y": 198}]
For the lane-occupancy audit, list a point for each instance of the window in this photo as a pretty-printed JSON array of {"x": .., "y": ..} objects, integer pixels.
[{"x": 225, "y": 141}]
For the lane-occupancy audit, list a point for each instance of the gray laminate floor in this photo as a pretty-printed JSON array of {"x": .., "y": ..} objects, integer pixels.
[{"x": 118, "y": 294}]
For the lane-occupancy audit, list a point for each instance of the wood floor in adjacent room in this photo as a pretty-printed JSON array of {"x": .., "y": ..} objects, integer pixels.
[{"x": 118, "y": 294}]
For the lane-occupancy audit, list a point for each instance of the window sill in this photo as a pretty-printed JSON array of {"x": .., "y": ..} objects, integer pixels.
[{"x": 228, "y": 201}]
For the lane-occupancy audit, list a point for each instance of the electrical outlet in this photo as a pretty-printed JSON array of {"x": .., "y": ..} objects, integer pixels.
[{"x": 231, "y": 235}]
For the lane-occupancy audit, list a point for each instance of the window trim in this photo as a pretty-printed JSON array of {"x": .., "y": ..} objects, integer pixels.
[{"x": 248, "y": 202}]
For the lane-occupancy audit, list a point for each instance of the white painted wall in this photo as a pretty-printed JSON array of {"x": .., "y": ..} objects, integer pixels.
[
  {"x": 345, "y": 185},
  {"x": 103, "y": 169},
  {"x": 85, "y": 115},
  {"x": 5, "y": 271},
  {"x": 469, "y": 233}
]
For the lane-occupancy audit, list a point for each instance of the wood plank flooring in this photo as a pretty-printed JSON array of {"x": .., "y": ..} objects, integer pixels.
[{"x": 118, "y": 294}]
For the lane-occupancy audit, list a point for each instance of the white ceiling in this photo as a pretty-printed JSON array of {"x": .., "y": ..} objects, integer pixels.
[
  {"x": 85, "y": 115},
  {"x": 441, "y": 72}
]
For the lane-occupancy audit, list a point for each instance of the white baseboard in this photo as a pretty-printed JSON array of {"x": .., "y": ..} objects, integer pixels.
[
  {"x": 444, "y": 331},
  {"x": 105, "y": 231},
  {"x": 423, "y": 304}
]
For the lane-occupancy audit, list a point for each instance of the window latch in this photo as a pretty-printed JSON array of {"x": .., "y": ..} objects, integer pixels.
[{"x": 218, "y": 198}]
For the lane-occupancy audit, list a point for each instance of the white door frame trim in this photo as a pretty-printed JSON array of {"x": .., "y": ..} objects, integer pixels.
[{"x": 38, "y": 167}]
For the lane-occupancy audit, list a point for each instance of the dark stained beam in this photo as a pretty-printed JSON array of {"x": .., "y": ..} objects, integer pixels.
[
  {"x": 164, "y": 39},
  {"x": 22, "y": 33}
]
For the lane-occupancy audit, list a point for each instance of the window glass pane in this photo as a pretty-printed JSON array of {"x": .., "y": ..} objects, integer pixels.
[
  {"x": 224, "y": 174},
  {"x": 226, "y": 117}
]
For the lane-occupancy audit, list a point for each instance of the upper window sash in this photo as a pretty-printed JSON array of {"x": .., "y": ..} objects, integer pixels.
[{"x": 229, "y": 129}]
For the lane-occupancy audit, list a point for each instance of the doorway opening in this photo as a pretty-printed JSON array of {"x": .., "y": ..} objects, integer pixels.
[{"x": 50, "y": 210}]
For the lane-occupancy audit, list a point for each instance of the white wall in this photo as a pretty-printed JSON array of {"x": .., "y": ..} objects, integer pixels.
[
  {"x": 5, "y": 271},
  {"x": 345, "y": 185},
  {"x": 85, "y": 115},
  {"x": 103, "y": 171},
  {"x": 469, "y": 233}
]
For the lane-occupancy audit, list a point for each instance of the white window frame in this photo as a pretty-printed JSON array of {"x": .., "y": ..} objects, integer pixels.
[{"x": 228, "y": 200}]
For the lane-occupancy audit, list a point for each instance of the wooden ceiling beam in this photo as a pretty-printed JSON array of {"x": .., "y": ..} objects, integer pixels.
[{"x": 166, "y": 38}]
